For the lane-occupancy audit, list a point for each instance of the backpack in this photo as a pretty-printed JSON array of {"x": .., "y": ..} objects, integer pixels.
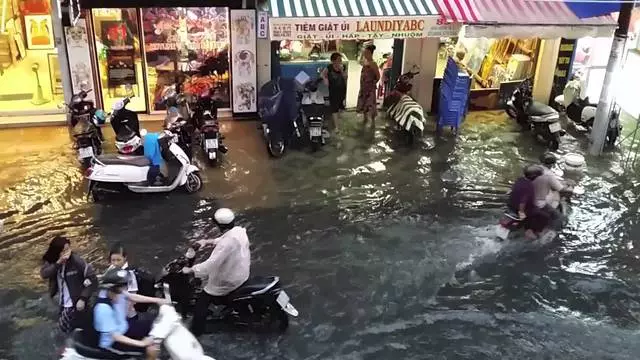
[{"x": 90, "y": 336}]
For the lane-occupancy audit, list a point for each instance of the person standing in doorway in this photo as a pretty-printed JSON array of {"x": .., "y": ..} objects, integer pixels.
[
  {"x": 369, "y": 77},
  {"x": 71, "y": 278},
  {"x": 335, "y": 77}
]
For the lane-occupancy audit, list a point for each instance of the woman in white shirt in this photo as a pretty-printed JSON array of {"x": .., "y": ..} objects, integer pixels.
[{"x": 118, "y": 259}]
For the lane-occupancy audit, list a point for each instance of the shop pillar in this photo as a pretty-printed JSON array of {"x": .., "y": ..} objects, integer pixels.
[
  {"x": 61, "y": 45},
  {"x": 423, "y": 53},
  {"x": 545, "y": 68},
  {"x": 263, "y": 56}
]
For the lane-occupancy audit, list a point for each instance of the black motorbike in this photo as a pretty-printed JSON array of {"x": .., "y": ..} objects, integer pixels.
[
  {"x": 260, "y": 303},
  {"x": 280, "y": 113},
  {"x": 85, "y": 129},
  {"x": 126, "y": 126},
  {"x": 205, "y": 117},
  {"x": 541, "y": 119},
  {"x": 178, "y": 109},
  {"x": 314, "y": 111}
]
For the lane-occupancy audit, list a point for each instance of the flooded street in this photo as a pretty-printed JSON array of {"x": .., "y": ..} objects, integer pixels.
[{"x": 386, "y": 252}]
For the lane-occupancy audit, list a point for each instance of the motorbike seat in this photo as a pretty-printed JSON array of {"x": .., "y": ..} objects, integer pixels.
[
  {"x": 114, "y": 159},
  {"x": 255, "y": 286},
  {"x": 539, "y": 109},
  {"x": 125, "y": 135},
  {"x": 94, "y": 352}
]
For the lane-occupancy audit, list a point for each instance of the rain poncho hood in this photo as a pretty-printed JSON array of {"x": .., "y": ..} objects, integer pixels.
[
  {"x": 152, "y": 148},
  {"x": 228, "y": 266}
]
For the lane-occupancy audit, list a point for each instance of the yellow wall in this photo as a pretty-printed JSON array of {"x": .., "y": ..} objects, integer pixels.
[{"x": 545, "y": 67}]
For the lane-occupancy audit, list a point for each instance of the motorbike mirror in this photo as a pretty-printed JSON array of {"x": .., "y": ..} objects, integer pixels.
[{"x": 143, "y": 132}]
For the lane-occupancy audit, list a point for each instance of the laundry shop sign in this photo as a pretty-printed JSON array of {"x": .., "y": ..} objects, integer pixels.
[{"x": 350, "y": 28}]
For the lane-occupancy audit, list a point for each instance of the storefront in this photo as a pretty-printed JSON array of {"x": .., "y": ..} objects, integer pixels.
[
  {"x": 198, "y": 48},
  {"x": 306, "y": 36},
  {"x": 501, "y": 45},
  {"x": 30, "y": 79}
]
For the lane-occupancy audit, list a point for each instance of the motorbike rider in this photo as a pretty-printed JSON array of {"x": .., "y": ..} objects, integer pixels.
[
  {"x": 522, "y": 202},
  {"x": 227, "y": 268},
  {"x": 547, "y": 188},
  {"x": 115, "y": 333},
  {"x": 154, "y": 154}
]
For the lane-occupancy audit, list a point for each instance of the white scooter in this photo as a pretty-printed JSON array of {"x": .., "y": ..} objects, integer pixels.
[
  {"x": 109, "y": 173},
  {"x": 167, "y": 330}
]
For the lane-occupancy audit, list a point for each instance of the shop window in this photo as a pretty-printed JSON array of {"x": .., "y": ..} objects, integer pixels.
[
  {"x": 491, "y": 61},
  {"x": 119, "y": 57},
  {"x": 188, "y": 47},
  {"x": 30, "y": 77}
]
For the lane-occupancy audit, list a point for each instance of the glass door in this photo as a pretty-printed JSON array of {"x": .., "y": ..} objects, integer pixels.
[{"x": 119, "y": 57}]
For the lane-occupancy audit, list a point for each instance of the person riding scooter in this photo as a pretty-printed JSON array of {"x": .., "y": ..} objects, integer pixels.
[
  {"x": 154, "y": 154},
  {"x": 548, "y": 187},
  {"x": 227, "y": 268},
  {"x": 522, "y": 202},
  {"x": 115, "y": 335}
]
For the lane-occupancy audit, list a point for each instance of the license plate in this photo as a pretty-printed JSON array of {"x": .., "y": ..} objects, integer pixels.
[
  {"x": 283, "y": 299},
  {"x": 502, "y": 232},
  {"x": 211, "y": 143},
  {"x": 85, "y": 152},
  {"x": 555, "y": 127},
  {"x": 315, "y": 131}
]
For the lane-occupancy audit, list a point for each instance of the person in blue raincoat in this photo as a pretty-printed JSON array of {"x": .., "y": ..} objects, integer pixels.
[{"x": 153, "y": 153}]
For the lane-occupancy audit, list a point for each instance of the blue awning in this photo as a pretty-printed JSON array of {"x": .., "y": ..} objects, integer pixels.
[{"x": 592, "y": 9}]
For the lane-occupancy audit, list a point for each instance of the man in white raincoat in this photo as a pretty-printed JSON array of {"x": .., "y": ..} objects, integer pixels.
[{"x": 226, "y": 269}]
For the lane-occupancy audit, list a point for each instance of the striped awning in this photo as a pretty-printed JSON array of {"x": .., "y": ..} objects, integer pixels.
[
  {"x": 351, "y": 8},
  {"x": 533, "y": 18}
]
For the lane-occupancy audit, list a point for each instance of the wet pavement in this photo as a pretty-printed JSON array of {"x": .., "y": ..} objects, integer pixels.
[{"x": 387, "y": 252}]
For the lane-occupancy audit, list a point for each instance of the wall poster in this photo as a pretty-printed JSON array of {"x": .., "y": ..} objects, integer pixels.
[
  {"x": 244, "y": 81},
  {"x": 39, "y": 32},
  {"x": 79, "y": 58}
]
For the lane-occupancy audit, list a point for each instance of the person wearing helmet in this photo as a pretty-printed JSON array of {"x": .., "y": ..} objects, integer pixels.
[
  {"x": 226, "y": 269},
  {"x": 522, "y": 202},
  {"x": 548, "y": 187},
  {"x": 116, "y": 334}
]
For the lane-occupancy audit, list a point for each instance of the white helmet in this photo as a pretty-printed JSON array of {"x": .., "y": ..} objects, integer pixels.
[{"x": 224, "y": 216}]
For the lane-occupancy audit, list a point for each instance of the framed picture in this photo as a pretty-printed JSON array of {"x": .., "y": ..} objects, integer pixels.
[
  {"x": 39, "y": 32},
  {"x": 54, "y": 74}
]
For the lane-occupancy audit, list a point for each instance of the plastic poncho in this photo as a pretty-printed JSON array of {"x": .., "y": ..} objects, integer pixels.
[
  {"x": 228, "y": 266},
  {"x": 152, "y": 148}
]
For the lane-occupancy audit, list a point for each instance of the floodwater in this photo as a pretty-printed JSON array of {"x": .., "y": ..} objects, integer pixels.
[{"x": 386, "y": 252}]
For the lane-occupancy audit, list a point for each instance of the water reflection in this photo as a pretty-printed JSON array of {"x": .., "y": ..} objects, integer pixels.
[{"x": 387, "y": 252}]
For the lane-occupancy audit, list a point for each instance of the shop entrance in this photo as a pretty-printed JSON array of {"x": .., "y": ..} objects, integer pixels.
[
  {"x": 313, "y": 57},
  {"x": 30, "y": 80}
]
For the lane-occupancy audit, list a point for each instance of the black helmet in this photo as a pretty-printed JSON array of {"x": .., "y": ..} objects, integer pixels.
[
  {"x": 533, "y": 171},
  {"x": 114, "y": 278},
  {"x": 548, "y": 159}
]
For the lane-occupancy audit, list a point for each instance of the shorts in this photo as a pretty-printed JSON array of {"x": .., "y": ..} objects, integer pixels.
[{"x": 139, "y": 329}]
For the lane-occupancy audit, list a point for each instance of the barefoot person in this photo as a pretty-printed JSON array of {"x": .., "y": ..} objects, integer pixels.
[
  {"x": 335, "y": 77},
  {"x": 369, "y": 77}
]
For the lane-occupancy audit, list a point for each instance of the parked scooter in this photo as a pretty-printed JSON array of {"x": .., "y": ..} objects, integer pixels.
[
  {"x": 279, "y": 110},
  {"x": 112, "y": 173},
  {"x": 179, "y": 109},
  {"x": 126, "y": 126},
  {"x": 314, "y": 110},
  {"x": 167, "y": 330},
  {"x": 258, "y": 303},
  {"x": 582, "y": 112},
  {"x": 404, "y": 110},
  {"x": 205, "y": 117},
  {"x": 85, "y": 121},
  {"x": 542, "y": 119}
]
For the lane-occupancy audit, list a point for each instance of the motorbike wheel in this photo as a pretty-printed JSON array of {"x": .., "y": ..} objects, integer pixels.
[
  {"x": 194, "y": 183},
  {"x": 315, "y": 145},
  {"x": 276, "y": 148},
  {"x": 512, "y": 113},
  {"x": 212, "y": 162},
  {"x": 276, "y": 319},
  {"x": 97, "y": 196},
  {"x": 554, "y": 142}
]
